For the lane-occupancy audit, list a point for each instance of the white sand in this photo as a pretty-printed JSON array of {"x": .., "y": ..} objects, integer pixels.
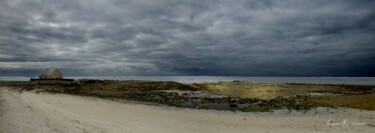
[{"x": 29, "y": 112}]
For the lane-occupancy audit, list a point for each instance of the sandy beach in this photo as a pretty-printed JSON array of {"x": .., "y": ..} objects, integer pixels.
[{"x": 42, "y": 113}]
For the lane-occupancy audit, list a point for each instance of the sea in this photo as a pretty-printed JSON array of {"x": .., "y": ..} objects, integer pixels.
[{"x": 201, "y": 79}]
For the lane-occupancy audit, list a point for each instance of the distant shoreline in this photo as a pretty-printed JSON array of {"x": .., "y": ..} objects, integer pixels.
[{"x": 202, "y": 79}]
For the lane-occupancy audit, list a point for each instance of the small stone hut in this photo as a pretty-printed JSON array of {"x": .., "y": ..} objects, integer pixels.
[{"x": 51, "y": 73}]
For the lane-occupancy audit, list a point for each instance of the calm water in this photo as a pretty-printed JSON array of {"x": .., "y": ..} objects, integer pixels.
[{"x": 199, "y": 79}]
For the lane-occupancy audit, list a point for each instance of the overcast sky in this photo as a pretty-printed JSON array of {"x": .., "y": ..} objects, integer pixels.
[{"x": 188, "y": 37}]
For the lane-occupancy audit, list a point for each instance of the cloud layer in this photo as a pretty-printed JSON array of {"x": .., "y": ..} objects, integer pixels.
[{"x": 190, "y": 37}]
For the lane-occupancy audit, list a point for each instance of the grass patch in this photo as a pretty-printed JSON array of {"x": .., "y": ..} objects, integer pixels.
[
  {"x": 366, "y": 102},
  {"x": 268, "y": 90}
]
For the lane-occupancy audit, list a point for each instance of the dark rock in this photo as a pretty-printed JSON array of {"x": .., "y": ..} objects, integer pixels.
[{"x": 233, "y": 105}]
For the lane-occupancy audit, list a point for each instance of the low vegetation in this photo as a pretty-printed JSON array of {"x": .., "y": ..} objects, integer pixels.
[
  {"x": 352, "y": 96},
  {"x": 242, "y": 96},
  {"x": 365, "y": 102}
]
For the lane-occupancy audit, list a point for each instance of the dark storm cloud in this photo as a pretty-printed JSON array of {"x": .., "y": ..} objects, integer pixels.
[{"x": 190, "y": 37}]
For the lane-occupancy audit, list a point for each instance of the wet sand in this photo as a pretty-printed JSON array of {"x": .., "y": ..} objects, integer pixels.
[{"x": 42, "y": 113}]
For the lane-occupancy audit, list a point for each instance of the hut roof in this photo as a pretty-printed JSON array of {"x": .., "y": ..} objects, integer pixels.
[{"x": 51, "y": 73}]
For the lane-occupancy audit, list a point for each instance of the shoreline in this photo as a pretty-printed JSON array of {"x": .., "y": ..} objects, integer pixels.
[
  {"x": 232, "y": 96},
  {"x": 44, "y": 112}
]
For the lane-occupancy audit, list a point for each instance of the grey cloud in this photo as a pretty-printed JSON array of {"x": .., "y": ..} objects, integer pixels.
[{"x": 168, "y": 37}]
